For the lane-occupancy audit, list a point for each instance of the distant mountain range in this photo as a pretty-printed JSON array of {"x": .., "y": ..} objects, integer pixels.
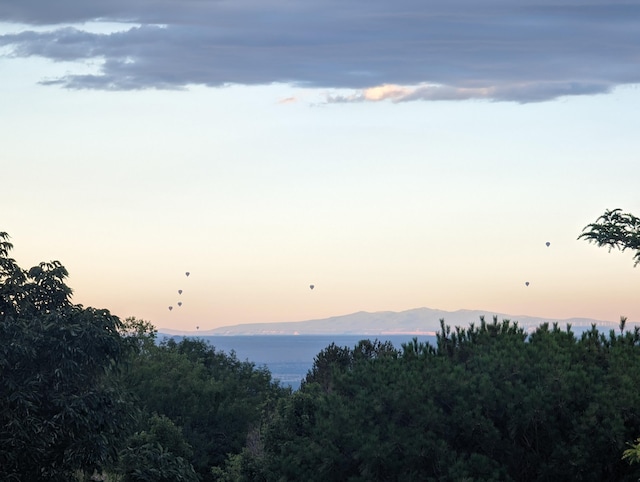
[{"x": 419, "y": 321}]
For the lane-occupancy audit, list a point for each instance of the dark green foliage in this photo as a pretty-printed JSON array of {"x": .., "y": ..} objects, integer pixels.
[
  {"x": 615, "y": 229},
  {"x": 486, "y": 403},
  {"x": 338, "y": 359},
  {"x": 140, "y": 334},
  {"x": 163, "y": 431},
  {"x": 213, "y": 397},
  {"x": 61, "y": 409},
  {"x": 158, "y": 454},
  {"x": 150, "y": 462}
]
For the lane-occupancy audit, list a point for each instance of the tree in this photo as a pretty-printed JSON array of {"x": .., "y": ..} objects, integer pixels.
[
  {"x": 157, "y": 454},
  {"x": 615, "y": 229},
  {"x": 61, "y": 410},
  {"x": 140, "y": 333},
  {"x": 215, "y": 399},
  {"x": 489, "y": 402}
]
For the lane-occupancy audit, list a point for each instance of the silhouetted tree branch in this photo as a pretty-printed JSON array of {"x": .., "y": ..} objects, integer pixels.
[{"x": 615, "y": 229}]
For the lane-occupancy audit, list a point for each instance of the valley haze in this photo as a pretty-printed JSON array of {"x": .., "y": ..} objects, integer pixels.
[{"x": 418, "y": 321}]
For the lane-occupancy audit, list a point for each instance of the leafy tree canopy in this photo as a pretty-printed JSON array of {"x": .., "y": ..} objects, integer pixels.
[
  {"x": 157, "y": 454},
  {"x": 490, "y": 402},
  {"x": 215, "y": 399},
  {"x": 615, "y": 229},
  {"x": 61, "y": 410}
]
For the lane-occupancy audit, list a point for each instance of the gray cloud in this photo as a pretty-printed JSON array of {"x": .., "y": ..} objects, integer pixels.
[{"x": 407, "y": 49}]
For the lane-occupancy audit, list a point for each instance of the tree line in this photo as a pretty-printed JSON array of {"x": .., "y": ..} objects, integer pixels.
[
  {"x": 488, "y": 402},
  {"x": 84, "y": 394}
]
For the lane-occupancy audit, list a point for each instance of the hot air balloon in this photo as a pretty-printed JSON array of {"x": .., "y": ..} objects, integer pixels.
[
  {"x": 170, "y": 308},
  {"x": 527, "y": 283},
  {"x": 187, "y": 273},
  {"x": 548, "y": 244},
  {"x": 179, "y": 303},
  {"x": 179, "y": 292},
  {"x": 311, "y": 286},
  {"x": 197, "y": 327}
]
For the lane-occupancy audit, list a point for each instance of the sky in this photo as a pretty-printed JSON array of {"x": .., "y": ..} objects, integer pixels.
[{"x": 395, "y": 155}]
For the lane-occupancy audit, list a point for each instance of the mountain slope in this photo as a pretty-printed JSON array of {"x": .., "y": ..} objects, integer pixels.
[{"x": 415, "y": 321}]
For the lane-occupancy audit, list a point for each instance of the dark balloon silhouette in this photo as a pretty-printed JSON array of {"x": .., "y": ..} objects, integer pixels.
[
  {"x": 187, "y": 273},
  {"x": 179, "y": 292},
  {"x": 170, "y": 308},
  {"x": 179, "y": 303},
  {"x": 197, "y": 327},
  {"x": 548, "y": 244},
  {"x": 527, "y": 283},
  {"x": 311, "y": 286}
]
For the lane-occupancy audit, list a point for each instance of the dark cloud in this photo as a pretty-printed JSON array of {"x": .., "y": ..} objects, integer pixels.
[{"x": 406, "y": 49}]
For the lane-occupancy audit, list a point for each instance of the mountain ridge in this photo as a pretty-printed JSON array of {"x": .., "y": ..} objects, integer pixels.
[{"x": 417, "y": 321}]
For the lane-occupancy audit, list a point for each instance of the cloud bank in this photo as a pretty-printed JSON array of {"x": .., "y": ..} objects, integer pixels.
[{"x": 379, "y": 50}]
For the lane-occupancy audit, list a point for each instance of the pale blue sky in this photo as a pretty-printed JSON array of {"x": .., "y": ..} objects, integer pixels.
[{"x": 262, "y": 189}]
